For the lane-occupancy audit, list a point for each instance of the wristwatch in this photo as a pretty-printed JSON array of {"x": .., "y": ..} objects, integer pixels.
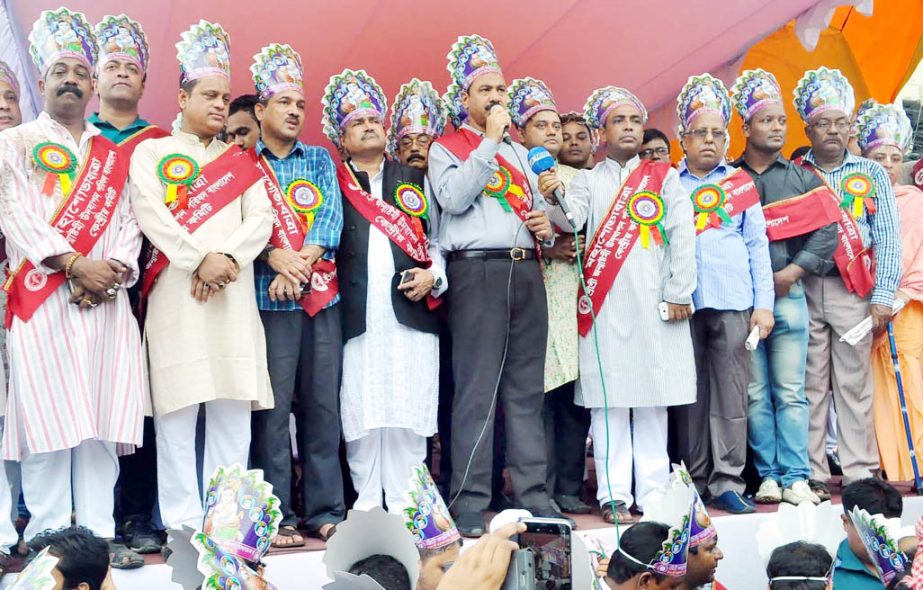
[{"x": 437, "y": 284}]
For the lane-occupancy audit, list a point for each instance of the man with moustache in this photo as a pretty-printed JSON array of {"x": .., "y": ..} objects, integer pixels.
[
  {"x": 639, "y": 206},
  {"x": 492, "y": 223},
  {"x": 204, "y": 208},
  {"x": 535, "y": 115},
  {"x": 418, "y": 118},
  {"x": 76, "y": 377},
  {"x": 655, "y": 146},
  {"x": 777, "y": 410},
  {"x": 296, "y": 291},
  {"x": 10, "y": 113},
  {"x": 734, "y": 277},
  {"x": 392, "y": 276},
  {"x": 839, "y": 299},
  {"x": 121, "y": 74},
  {"x": 579, "y": 142}
]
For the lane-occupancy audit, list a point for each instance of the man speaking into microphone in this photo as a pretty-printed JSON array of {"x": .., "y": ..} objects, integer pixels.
[{"x": 493, "y": 224}]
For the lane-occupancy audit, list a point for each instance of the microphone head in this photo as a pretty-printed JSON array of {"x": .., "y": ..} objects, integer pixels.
[{"x": 540, "y": 159}]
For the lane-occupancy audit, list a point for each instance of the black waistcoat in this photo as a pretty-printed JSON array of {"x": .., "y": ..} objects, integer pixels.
[{"x": 352, "y": 261}]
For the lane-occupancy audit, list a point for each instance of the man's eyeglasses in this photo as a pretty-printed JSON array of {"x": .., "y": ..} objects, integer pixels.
[
  {"x": 702, "y": 134},
  {"x": 825, "y": 124},
  {"x": 661, "y": 151}
]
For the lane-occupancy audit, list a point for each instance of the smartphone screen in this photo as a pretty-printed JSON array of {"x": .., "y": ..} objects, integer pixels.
[{"x": 550, "y": 546}]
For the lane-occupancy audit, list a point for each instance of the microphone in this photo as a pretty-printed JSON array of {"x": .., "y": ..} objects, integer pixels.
[
  {"x": 541, "y": 160},
  {"x": 506, "y": 130}
]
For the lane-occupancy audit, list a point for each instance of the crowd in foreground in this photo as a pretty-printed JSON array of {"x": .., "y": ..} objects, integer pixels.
[{"x": 441, "y": 282}]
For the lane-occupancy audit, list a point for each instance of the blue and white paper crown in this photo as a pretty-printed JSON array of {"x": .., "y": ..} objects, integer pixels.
[
  {"x": 277, "y": 68},
  {"x": 417, "y": 108},
  {"x": 59, "y": 34},
  {"x": 204, "y": 50},
  {"x": 883, "y": 124},
  {"x": 823, "y": 90},
  {"x": 348, "y": 95},
  {"x": 603, "y": 100},
  {"x": 702, "y": 94},
  {"x": 122, "y": 38}
]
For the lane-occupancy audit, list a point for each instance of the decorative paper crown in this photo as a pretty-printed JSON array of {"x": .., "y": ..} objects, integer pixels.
[
  {"x": 676, "y": 509},
  {"x": 417, "y": 109},
  {"x": 61, "y": 33},
  {"x": 605, "y": 99},
  {"x": 119, "y": 37},
  {"x": 884, "y": 124},
  {"x": 879, "y": 535},
  {"x": 823, "y": 90},
  {"x": 701, "y": 529},
  {"x": 471, "y": 56},
  {"x": 37, "y": 575},
  {"x": 527, "y": 97},
  {"x": 454, "y": 107},
  {"x": 753, "y": 90},
  {"x": 350, "y": 94},
  {"x": 204, "y": 50},
  {"x": 427, "y": 516},
  {"x": 277, "y": 68},
  {"x": 241, "y": 513},
  {"x": 9, "y": 76},
  {"x": 702, "y": 94},
  {"x": 371, "y": 532},
  {"x": 223, "y": 570}
]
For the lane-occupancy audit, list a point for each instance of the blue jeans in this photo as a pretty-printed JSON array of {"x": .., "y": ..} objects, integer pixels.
[{"x": 777, "y": 412}]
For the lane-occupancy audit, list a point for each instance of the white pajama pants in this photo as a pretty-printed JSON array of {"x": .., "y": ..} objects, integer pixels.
[
  {"x": 637, "y": 446},
  {"x": 383, "y": 459},
  {"x": 227, "y": 441},
  {"x": 84, "y": 475}
]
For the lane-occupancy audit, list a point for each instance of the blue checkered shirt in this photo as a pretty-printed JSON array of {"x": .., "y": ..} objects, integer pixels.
[
  {"x": 881, "y": 230},
  {"x": 312, "y": 163}
]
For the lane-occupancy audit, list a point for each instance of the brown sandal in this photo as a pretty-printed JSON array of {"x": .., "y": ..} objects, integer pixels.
[
  {"x": 289, "y": 534},
  {"x": 621, "y": 514}
]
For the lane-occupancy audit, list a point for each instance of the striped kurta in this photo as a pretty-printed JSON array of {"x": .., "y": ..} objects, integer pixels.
[
  {"x": 646, "y": 361},
  {"x": 75, "y": 374}
]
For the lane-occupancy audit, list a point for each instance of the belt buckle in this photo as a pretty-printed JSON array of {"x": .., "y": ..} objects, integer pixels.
[{"x": 518, "y": 254}]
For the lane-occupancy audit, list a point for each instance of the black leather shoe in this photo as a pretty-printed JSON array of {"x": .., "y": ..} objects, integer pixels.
[
  {"x": 549, "y": 512},
  {"x": 572, "y": 505},
  {"x": 470, "y": 524}
]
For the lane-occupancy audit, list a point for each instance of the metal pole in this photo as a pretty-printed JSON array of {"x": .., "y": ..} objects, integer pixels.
[{"x": 900, "y": 394}]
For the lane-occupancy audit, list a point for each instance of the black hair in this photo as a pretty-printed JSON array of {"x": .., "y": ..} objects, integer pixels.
[
  {"x": 799, "y": 559},
  {"x": 82, "y": 557},
  {"x": 874, "y": 496},
  {"x": 575, "y": 117},
  {"x": 642, "y": 541},
  {"x": 799, "y": 152},
  {"x": 187, "y": 85},
  {"x": 246, "y": 103},
  {"x": 652, "y": 134},
  {"x": 897, "y": 581},
  {"x": 384, "y": 569}
]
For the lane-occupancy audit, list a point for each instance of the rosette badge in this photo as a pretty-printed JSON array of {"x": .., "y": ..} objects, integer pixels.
[
  {"x": 412, "y": 200},
  {"x": 305, "y": 198},
  {"x": 59, "y": 164},
  {"x": 647, "y": 209},
  {"x": 708, "y": 201},
  {"x": 499, "y": 185},
  {"x": 856, "y": 188},
  {"x": 178, "y": 172}
]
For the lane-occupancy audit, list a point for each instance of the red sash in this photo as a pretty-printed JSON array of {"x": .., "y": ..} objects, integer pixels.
[
  {"x": 851, "y": 257},
  {"x": 740, "y": 194},
  {"x": 797, "y": 216},
  {"x": 518, "y": 194},
  {"x": 918, "y": 174},
  {"x": 389, "y": 220},
  {"x": 288, "y": 233},
  {"x": 150, "y": 132},
  {"x": 615, "y": 237},
  {"x": 81, "y": 219},
  {"x": 219, "y": 183}
]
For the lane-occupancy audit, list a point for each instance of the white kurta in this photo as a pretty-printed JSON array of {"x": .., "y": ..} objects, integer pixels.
[
  {"x": 200, "y": 352},
  {"x": 74, "y": 374},
  {"x": 390, "y": 372},
  {"x": 646, "y": 361}
]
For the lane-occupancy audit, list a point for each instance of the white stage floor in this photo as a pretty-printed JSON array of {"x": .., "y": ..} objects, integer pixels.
[{"x": 741, "y": 569}]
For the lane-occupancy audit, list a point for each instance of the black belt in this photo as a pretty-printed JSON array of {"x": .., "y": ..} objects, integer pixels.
[{"x": 516, "y": 254}]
